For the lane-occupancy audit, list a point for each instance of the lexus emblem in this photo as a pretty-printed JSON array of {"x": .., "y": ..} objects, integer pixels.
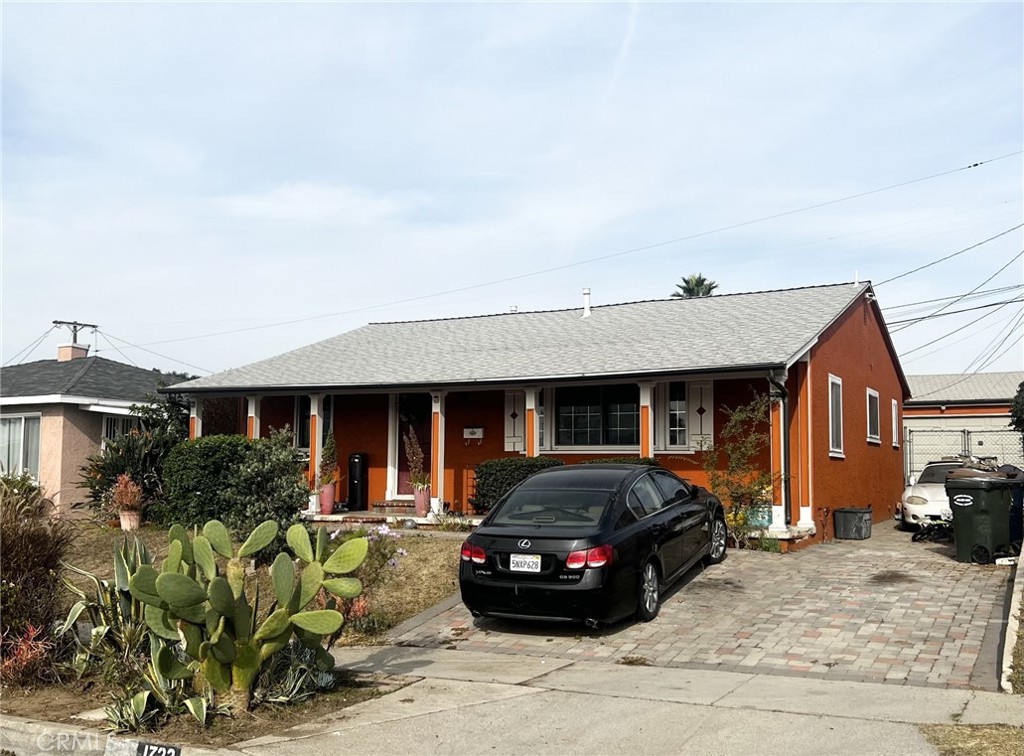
[{"x": 525, "y": 543}]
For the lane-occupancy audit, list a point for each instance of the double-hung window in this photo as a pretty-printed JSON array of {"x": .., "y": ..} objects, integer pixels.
[
  {"x": 874, "y": 417},
  {"x": 19, "y": 444},
  {"x": 598, "y": 415},
  {"x": 835, "y": 415},
  {"x": 677, "y": 414}
]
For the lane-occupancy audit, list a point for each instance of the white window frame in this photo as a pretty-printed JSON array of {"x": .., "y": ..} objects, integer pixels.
[
  {"x": 23, "y": 466},
  {"x": 833, "y": 450},
  {"x": 877, "y": 438},
  {"x": 125, "y": 424},
  {"x": 666, "y": 414},
  {"x": 895, "y": 424}
]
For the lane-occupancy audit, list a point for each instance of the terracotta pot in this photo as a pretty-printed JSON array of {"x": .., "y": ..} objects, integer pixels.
[
  {"x": 327, "y": 499},
  {"x": 130, "y": 521},
  {"x": 422, "y": 498}
]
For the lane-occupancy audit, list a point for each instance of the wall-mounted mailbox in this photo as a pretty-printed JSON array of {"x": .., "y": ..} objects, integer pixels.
[{"x": 475, "y": 432}]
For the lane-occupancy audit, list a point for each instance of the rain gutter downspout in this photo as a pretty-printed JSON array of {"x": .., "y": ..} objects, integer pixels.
[{"x": 782, "y": 394}]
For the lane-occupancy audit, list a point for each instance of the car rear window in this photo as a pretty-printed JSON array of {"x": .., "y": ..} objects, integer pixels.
[
  {"x": 936, "y": 473},
  {"x": 561, "y": 506}
]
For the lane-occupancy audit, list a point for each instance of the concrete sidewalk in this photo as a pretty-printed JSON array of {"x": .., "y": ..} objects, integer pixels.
[{"x": 460, "y": 702}]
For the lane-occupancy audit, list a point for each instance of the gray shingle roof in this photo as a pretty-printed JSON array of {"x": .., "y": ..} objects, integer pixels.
[
  {"x": 956, "y": 387},
  {"x": 93, "y": 377},
  {"x": 671, "y": 335}
]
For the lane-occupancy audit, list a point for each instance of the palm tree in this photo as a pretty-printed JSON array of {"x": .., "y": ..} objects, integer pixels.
[{"x": 694, "y": 286}]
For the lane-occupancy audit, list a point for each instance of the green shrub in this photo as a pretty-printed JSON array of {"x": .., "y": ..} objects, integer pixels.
[
  {"x": 236, "y": 480},
  {"x": 33, "y": 547},
  {"x": 649, "y": 461},
  {"x": 496, "y": 477},
  {"x": 198, "y": 480},
  {"x": 140, "y": 455}
]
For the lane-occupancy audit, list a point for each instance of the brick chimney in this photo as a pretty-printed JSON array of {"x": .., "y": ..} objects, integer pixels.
[{"x": 68, "y": 352}]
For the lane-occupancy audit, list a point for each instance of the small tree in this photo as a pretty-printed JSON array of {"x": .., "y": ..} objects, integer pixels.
[
  {"x": 694, "y": 285},
  {"x": 733, "y": 464},
  {"x": 1017, "y": 413}
]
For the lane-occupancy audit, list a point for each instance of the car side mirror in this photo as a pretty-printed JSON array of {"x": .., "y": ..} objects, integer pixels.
[{"x": 912, "y": 481}]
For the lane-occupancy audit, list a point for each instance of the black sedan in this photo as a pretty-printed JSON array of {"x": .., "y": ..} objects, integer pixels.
[{"x": 592, "y": 543}]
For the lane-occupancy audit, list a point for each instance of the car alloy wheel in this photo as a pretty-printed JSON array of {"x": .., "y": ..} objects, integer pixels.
[
  {"x": 719, "y": 534},
  {"x": 650, "y": 593}
]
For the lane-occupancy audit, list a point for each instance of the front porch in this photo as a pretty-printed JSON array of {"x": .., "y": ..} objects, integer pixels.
[{"x": 672, "y": 421}]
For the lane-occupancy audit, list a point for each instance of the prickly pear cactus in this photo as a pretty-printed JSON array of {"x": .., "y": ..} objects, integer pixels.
[{"x": 206, "y": 609}]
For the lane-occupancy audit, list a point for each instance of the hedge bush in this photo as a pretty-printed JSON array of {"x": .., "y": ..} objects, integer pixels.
[
  {"x": 236, "y": 480},
  {"x": 496, "y": 477},
  {"x": 33, "y": 547}
]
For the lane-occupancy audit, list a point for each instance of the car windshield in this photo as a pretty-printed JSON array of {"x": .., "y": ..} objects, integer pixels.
[
  {"x": 562, "y": 506},
  {"x": 936, "y": 473}
]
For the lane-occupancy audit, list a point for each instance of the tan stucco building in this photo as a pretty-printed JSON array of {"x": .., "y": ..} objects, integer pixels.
[{"x": 54, "y": 414}]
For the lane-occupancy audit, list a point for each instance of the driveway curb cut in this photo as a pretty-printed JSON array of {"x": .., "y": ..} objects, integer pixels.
[{"x": 1012, "y": 628}]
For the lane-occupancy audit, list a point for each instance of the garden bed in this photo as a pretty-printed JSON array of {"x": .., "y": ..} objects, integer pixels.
[{"x": 424, "y": 573}]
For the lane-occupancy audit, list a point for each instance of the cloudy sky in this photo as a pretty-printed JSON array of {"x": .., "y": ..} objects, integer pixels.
[{"x": 218, "y": 183}]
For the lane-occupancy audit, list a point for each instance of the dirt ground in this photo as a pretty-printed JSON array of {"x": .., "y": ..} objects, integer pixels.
[{"x": 59, "y": 703}]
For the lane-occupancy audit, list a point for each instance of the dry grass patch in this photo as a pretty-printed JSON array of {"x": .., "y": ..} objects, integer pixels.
[{"x": 976, "y": 740}]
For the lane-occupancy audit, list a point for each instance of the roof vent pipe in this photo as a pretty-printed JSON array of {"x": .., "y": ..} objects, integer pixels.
[
  {"x": 586, "y": 303},
  {"x": 514, "y": 309}
]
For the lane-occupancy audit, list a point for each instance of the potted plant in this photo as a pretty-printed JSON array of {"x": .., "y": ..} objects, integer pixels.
[
  {"x": 328, "y": 475},
  {"x": 126, "y": 498},
  {"x": 418, "y": 479}
]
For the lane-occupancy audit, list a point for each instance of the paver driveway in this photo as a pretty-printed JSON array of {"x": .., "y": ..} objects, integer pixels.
[{"x": 883, "y": 609}]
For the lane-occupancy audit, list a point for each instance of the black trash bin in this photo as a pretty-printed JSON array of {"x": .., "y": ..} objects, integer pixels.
[
  {"x": 1016, "y": 475},
  {"x": 853, "y": 523},
  {"x": 981, "y": 515}
]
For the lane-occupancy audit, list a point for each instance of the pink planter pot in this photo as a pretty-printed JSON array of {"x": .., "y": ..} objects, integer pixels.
[
  {"x": 327, "y": 499},
  {"x": 422, "y": 498},
  {"x": 130, "y": 521}
]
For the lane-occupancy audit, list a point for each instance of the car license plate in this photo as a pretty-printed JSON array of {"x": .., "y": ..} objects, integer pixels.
[{"x": 524, "y": 563}]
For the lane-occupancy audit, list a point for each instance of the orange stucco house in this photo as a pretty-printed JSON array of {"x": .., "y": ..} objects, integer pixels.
[{"x": 641, "y": 378}]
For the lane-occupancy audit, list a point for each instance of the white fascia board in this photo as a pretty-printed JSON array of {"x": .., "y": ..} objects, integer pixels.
[
  {"x": 802, "y": 354},
  {"x": 93, "y": 403}
]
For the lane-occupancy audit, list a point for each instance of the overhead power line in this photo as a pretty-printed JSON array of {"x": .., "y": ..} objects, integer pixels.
[
  {"x": 31, "y": 347},
  {"x": 587, "y": 261},
  {"x": 948, "y": 257},
  {"x": 947, "y": 335},
  {"x": 976, "y": 295},
  {"x": 150, "y": 351},
  {"x": 955, "y": 312},
  {"x": 1007, "y": 265}
]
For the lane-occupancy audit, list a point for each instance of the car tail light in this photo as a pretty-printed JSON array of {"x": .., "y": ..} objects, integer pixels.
[
  {"x": 598, "y": 556},
  {"x": 576, "y": 560},
  {"x": 471, "y": 552}
]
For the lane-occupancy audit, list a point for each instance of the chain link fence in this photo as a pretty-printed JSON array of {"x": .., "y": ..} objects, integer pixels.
[{"x": 927, "y": 445}]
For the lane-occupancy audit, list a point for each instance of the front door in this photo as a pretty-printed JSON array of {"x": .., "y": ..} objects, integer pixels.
[{"x": 414, "y": 413}]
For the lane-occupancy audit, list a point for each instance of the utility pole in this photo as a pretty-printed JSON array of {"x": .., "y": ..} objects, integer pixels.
[{"x": 74, "y": 326}]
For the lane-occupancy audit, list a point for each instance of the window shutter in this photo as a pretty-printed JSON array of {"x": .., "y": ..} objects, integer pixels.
[
  {"x": 700, "y": 402},
  {"x": 515, "y": 421}
]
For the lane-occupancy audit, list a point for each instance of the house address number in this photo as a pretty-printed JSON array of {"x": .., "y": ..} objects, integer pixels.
[{"x": 154, "y": 749}]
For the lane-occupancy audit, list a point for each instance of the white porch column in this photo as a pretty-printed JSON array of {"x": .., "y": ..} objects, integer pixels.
[
  {"x": 778, "y": 466},
  {"x": 532, "y": 423},
  {"x": 195, "y": 418},
  {"x": 252, "y": 424},
  {"x": 437, "y": 450},
  {"x": 315, "y": 403},
  {"x": 647, "y": 419}
]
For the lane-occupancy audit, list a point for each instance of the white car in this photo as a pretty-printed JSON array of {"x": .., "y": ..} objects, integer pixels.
[{"x": 925, "y": 500}]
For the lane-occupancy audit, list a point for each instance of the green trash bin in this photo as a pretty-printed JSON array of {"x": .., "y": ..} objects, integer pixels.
[{"x": 981, "y": 516}]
